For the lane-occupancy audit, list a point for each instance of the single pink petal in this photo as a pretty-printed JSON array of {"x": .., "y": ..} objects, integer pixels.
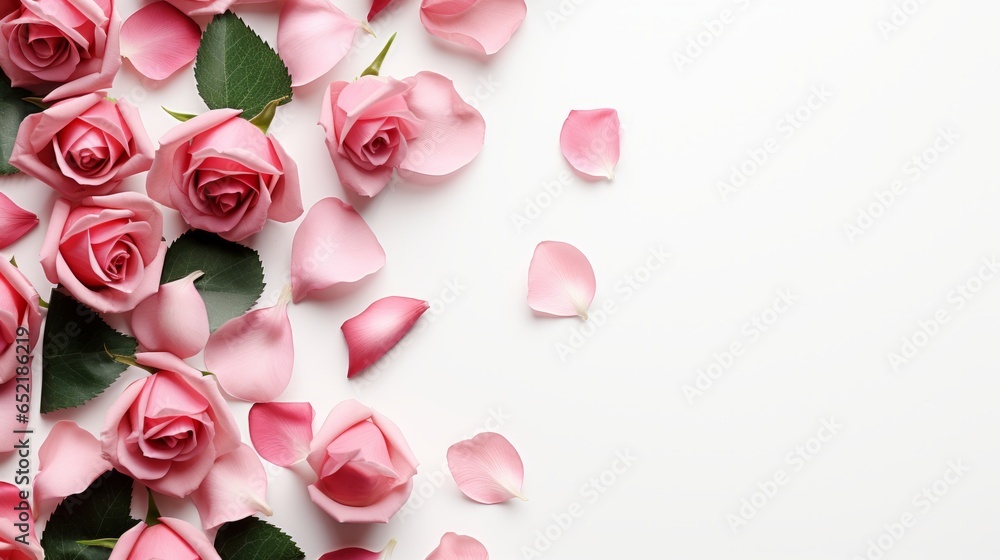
[
  {"x": 561, "y": 280},
  {"x": 159, "y": 40},
  {"x": 487, "y": 468},
  {"x": 377, "y": 329},
  {"x": 377, "y": 6},
  {"x": 459, "y": 547},
  {"x": 354, "y": 553},
  {"x": 313, "y": 36},
  {"x": 483, "y": 25},
  {"x": 173, "y": 320},
  {"x": 281, "y": 432},
  {"x": 235, "y": 488},
  {"x": 69, "y": 460},
  {"x": 332, "y": 245},
  {"x": 453, "y": 131},
  {"x": 17, "y": 534},
  {"x": 14, "y": 221},
  {"x": 591, "y": 142}
]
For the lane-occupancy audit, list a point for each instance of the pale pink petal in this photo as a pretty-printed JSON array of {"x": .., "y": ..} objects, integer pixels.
[
  {"x": 281, "y": 432},
  {"x": 487, "y": 468},
  {"x": 17, "y": 535},
  {"x": 14, "y": 221},
  {"x": 483, "y": 25},
  {"x": 377, "y": 6},
  {"x": 235, "y": 488},
  {"x": 561, "y": 281},
  {"x": 453, "y": 131},
  {"x": 379, "y": 512},
  {"x": 69, "y": 460},
  {"x": 332, "y": 245},
  {"x": 159, "y": 40},
  {"x": 355, "y": 553},
  {"x": 459, "y": 547},
  {"x": 313, "y": 36},
  {"x": 591, "y": 142},
  {"x": 191, "y": 535},
  {"x": 377, "y": 329},
  {"x": 173, "y": 320}
]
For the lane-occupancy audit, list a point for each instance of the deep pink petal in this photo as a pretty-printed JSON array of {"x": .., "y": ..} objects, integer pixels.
[
  {"x": 561, "y": 281},
  {"x": 483, "y": 25},
  {"x": 459, "y": 547},
  {"x": 591, "y": 141},
  {"x": 235, "y": 488},
  {"x": 173, "y": 320},
  {"x": 281, "y": 432},
  {"x": 378, "y": 328},
  {"x": 379, "y": 512},
  {"x": 377, "y": 6},
  {"x": 487, "y": 468},
  {"x": 453, "y": 131},
  {"x": 355, "y": 553},
  {"x": 313, "y": 36},
  {"x": 332, "y": 245},
  {"x": 159, "y": 40},
  {"x": 69, "y": 460},
  {"x": 14, "y": 221}
]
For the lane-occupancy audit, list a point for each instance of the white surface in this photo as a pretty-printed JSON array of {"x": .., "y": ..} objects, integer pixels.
[{"x": 623, "y": 390}]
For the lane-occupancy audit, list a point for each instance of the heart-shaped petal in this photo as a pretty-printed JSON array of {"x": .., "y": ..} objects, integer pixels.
[
  {"x": 159, "y": 40},
  {"x": 459, "y": 547},
  {"x": 482, "y": 25},
  {"x": 487, "y": 468},
  {"x": 14, "y": 221},
  {"x": 378, "y": 328},
  {"x": 313, "y": 36},
  {"x": 235, "y": 488},
  {"x": 561, "y": 281},
  {"x": 281, "y": 432},
  {"x": 173, "y": 320},
  {"x": 591, "y": 142},
  {"x": 69, "y": 460}
]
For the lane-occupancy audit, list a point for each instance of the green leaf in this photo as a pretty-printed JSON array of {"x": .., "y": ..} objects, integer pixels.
[
  {"x": 13, "y": 109},
  {"x": 233, "y": 278},
  {"x": 76, "y": 365},
  {"x": 255, "y": 539},
  {"x": 183, "y": 117},
  {"x": 376, "y": 65},
  {"x": 98, "y": 513},
  {"x": 235, "y": 68},
  {"x": 263, "y": 119}
]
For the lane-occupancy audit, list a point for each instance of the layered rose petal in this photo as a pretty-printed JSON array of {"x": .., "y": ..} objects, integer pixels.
[
  {"x": 561, "y": 281},
  {"x": 252, "y": 355},
  {"x": 378, "y": 328},
  {"x": 313, "y": 36},
  {"x": 205, "y": 7},
  {"x": 16, "y": 543},
  {"x": 14, "y": 221},
  {"x": 459, "y": 547},
  {"x": 19, "y": 308},
  {"x": 591, "y": 142},
  {"x": 69, "y": 460},
  {"x": 377, "y": 6},
  {"x": 169, "y": 539},
  {"x": 281, "y": 432},
  {"x": 355, "y": 553},
  {"x": 332, "y": 245},
  {"x": 453, "y": 131},
  {"x": 174, "y": 319},
  {"x": 158, "y": 39},
  {"x": 482, "y": 25},
  {"x": 235, "y": 488},
  {"x": 487, "y": 468}
]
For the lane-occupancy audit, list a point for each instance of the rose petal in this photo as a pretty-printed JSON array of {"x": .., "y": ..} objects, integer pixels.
[
  {"x": 487, "y": 468},
  {"x": 332, "y": 245},
  {"x": 591, "y": 142},
  {"x": 69, "y": 460},
  {"x": 377, "y": 6},
  {"x": 10, "y": 500},
  {"x": 483, "y": 25},
  {"x": 378, "y": 328},
  {"x": 561, "y": 280},
  {"x": 14, "y": 221},
  {"x": 354, "y": 553},
  {"x": 173, "y": 320},
  {"x": 281, "y": 432},
  {"x": 459, "y": 547},
  {"x": 159, "y": 40},
  {"x": 252, "y": 355},
  {"x": 313, "y": 36},
  {"x": 235, "y": 488}
]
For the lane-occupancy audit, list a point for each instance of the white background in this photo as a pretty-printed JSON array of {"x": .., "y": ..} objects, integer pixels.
[{"x": 484, "y": 354}]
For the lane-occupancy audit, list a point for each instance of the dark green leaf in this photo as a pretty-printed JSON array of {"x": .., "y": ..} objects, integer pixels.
[
  {"x": 13, "y": 109},
  {"x": 235, "y": 68},
  {"x": 99, "y": 512},
  {"x": 376, "y": 65},
  {"x": 255, "y": 539},
  {"x": 76, "y": 366},
  {"x": 233, "y": 277}
]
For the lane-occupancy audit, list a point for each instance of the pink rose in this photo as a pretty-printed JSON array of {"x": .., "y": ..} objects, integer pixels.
[
  {"x": 83, "y": 146},
  {"x": 107, "y": 250},
  {"x": 363, "y": 465},
  {"x": 20, "y": 318},
  {"x": 209, "y": 7},
  {"x": 61, "y": 48},
  {"x": 16, "y": 520},
  {"x": 167, "y": 430},
  {"x": 225, "y": 176},
  {"x": 419, "y": 125},
  {"x": 169, "y": 539}
]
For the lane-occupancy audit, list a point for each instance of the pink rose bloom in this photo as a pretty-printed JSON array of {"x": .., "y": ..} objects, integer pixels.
[
  {"x": 61, "y": 48},
  {"x": 364, "y": 466},
  {"x": 16, "y": 519},
  {"x": 225, "y": 176},
  {"x": 170, "y": 539},
  {"x": 107, "y": 251},
  {"x": 419, "y": 125},
  {"x": 18, "y": 310},
  {"x": 83, "y": 146},
  {"x": 166, "y": 430}
]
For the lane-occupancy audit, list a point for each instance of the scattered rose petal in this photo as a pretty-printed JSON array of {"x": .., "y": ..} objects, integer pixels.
[
  {"x": 459, "y": 547},
  {"x": 354, "y": 553},
  {"x": 252, "y": 354},
  {"x": 14, "y": 221},
  {"x": 561, "y": 280},
  {"x": 159, "y": 40},
  {"x": 281, "y": 432},
  {"x": 17, "y": 535},
  {"x": 332, "y": 245},
  {"x": 483, "y": 25},
  {"x": 377, "y": 329},
  {"x": 69, "y": 460},
  {"x": 235, "y": 488},
  {"x": 487, "y": 468},
  {"x": 377, "y": 6},
  {"x": 591, "y": 142},
  {"x": 173, "y": 320},
  {"x": 313, "y": 36}
]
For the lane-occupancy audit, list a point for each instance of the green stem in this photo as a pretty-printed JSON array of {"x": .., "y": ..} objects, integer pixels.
[
  {"x": 103, "y": 543},
  {"x": 127, "y": 360}
]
